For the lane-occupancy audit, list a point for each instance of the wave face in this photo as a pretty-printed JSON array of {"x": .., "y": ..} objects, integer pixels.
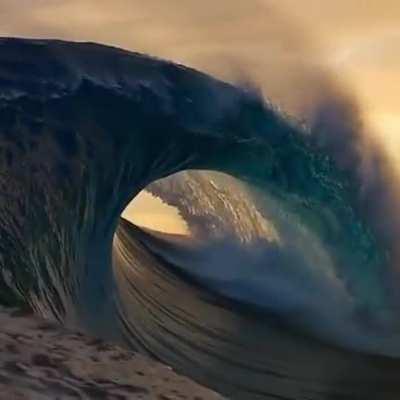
[{"x": 284, "y": 289}]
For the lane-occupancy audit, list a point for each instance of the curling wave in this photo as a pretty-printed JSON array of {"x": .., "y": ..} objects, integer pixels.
[{"x": 285, "y": 283}]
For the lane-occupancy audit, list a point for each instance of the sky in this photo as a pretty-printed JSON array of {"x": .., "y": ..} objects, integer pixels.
[
  {"x": 149, "y": 211},
  {"x": 280, "y": 45}
]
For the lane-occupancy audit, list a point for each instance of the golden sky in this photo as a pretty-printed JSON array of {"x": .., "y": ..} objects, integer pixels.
[
  {"x": 148, "y": 210},
  {"x": 280, "y": 44}
]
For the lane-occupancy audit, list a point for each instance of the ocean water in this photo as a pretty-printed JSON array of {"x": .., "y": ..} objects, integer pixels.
[{"x": 285, "y": 287}]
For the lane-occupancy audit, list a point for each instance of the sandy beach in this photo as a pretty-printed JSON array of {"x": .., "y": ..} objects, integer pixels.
[{"x": 41, "y": 360}]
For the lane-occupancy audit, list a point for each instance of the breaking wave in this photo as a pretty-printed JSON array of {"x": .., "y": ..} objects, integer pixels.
[{"x": 285, "y": 287}]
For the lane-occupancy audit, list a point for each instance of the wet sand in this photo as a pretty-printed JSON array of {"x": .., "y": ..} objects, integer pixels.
[{"x": 41, "y": 360}]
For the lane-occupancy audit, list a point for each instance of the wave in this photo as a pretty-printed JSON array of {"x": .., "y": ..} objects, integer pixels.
[{"x": 284, "y": 265}]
